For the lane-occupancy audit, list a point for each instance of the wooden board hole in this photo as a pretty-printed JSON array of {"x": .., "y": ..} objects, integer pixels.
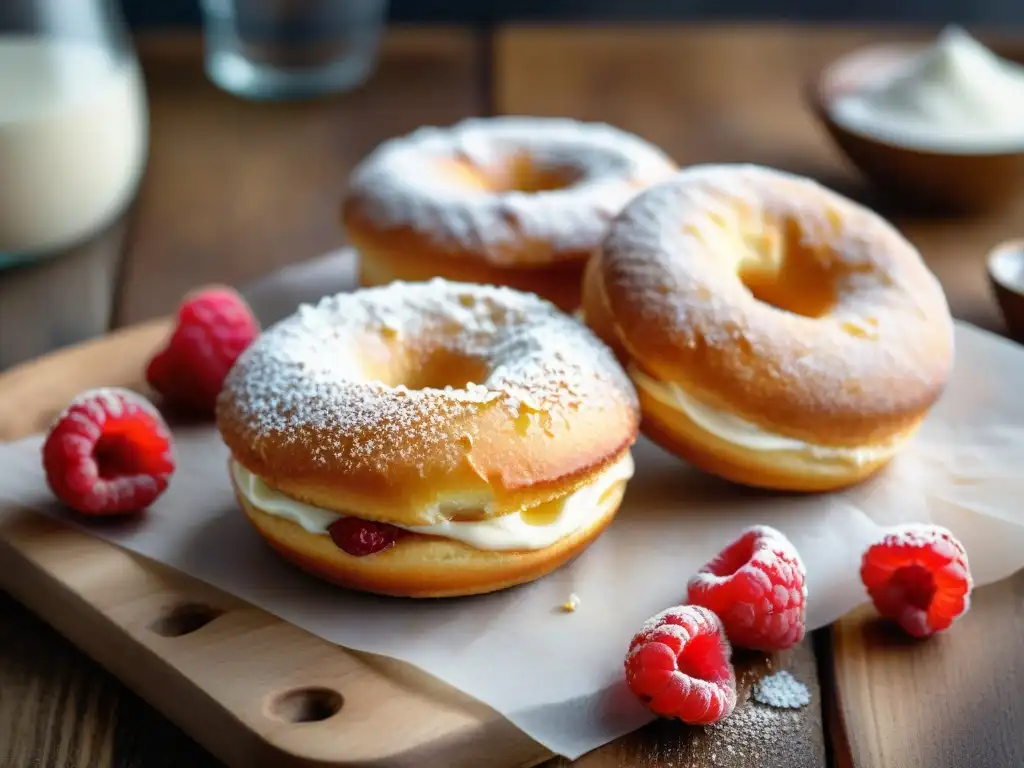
[
  {"x": 185, "y": 619},
  {"x": 306, "y": 705}
]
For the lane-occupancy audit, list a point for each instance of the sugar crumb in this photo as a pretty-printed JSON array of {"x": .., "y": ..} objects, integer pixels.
[
  {"x": 570, "y": 605},
  {"x": 782, "y": 691}
]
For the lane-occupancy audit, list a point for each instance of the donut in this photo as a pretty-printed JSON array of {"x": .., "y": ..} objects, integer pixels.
[
  {"x": 513, "y": 201},
  {"x": 429, "y": 439},
  {"x": 778, "y": 334}
]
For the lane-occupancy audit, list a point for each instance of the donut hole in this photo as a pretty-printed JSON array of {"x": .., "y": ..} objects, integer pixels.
[
  {"x": 518, "y": 173},
  {"x": 526, "y": 175},
  {"x": 780, "y": 269},
  {"x": 443, "y": 368}
]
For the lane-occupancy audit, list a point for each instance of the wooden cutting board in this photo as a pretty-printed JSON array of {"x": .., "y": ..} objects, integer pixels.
[{"x": 254, "y": 690}]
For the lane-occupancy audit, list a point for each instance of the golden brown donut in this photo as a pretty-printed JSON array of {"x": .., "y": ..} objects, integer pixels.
[
  {"x": 490, "y": 429},
  {"x": 778, "y": 334},
  {"x": 511, "y": 201}
]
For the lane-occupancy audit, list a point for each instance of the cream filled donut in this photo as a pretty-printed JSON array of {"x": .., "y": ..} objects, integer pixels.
[
  {"x": 513, "y": 201},
  {"x": 778, "y": 334},
  {"x": 429, "y": 439}
]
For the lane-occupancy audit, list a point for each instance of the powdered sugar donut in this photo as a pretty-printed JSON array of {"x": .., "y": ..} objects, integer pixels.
[
  {"x": 511, "y": 201},
  {"x": 778, "y": 333},
  {"x": 476, "y": 436}
]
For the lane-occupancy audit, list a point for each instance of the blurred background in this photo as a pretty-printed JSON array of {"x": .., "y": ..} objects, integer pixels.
[
  {"x": 144, "y": 13},
  {"x": 152, "y": 146}
]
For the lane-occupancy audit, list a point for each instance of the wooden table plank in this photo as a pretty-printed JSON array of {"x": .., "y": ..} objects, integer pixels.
[
  {"x": 732, "y": 94},
  {"x": 59, "y": 708},
  {"x": 236, "y": 188},
  {"x": 232, "y": 190},
  {"x": 737, "y": 95},
  {"x": 754, "y": 736},
  {"x": 949, "y": 702},
  {"x": 706, "y": 95}
]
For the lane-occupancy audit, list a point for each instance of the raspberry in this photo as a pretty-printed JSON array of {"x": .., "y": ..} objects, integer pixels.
[
  {"x": 678, "y": 664},
  {"x": 362, "y": 537},
  {"x": 757, "y": 587},
  {"x": 215, "y": 325},
  {"x": 108, "y": 453},
  {"x": 918, "y": 576}
]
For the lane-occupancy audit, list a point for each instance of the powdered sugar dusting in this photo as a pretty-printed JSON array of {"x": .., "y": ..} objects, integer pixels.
[
  {"x": 782, "y": 691},
  {"x": 401, "y": 185},
  {"x": 671, "y": 259},
  {"x": 323, "y": 371},
  {"x": 762, "y": 735},
  {"x": 918, "y": 535},
  {"x": 106, "y": 402}
]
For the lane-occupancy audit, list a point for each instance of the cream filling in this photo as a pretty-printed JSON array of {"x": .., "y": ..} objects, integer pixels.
[
  {"x": 730, "y": 428},
  {"x": 513, "y": 531}
]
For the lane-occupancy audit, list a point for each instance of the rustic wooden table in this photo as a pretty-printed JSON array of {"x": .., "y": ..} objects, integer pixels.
[{"x": 235, "y": 189}]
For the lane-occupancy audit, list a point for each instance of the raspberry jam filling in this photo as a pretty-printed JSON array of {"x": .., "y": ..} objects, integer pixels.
[{"x": 360, "y": 538}]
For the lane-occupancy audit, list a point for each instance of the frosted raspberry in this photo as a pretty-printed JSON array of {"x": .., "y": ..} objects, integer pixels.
[
  {"x": 757, "y": 586},
  {"x": 679, "y": 665},
  {"x": 215, "y": 325},
  {"x": 108, "y": 453},
  {"x": 918, "y": 576}
]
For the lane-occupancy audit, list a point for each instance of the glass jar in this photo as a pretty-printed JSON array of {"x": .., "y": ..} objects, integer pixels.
[
  {"x": 73, "y": 123},
  {"x": 291, "y": 49}
]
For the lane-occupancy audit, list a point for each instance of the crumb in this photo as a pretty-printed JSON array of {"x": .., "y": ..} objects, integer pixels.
[
  {"x": 570, "y": 605},
  {"x": 782, "y": 691}
]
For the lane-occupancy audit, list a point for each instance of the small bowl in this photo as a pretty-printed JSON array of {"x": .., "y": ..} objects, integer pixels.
[
  {"x": 969, "y": 182},
  {"x": 1006, "y": 273}
]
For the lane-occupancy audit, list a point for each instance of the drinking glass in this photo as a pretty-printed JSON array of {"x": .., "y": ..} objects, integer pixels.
[
  {"x": 285, "y": 49},
  {"x": 73, "y": 123}
]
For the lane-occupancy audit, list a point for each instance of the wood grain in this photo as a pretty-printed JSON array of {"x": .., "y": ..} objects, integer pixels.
[
  {"x": 77, "y": 714},
  {"x": 231, "y": 190},
  {"x": 734, "y": 95},
  {"x": 705, "y": 95},
  {"x": 59, "y": 708},
  {"x": 754, "y": 736},
  {"x": 738, "y": 95},
  {"x": 249, "y": 686},
  {"x": 234, "y": 189},
  {"x": 948, "y": 702},
  {"x": 55, "y": 378}
]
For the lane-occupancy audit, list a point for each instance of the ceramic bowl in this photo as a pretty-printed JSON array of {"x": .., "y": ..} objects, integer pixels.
[
  {"x": 957, "y": 182},
  {"x": 1006, "y": 273}
]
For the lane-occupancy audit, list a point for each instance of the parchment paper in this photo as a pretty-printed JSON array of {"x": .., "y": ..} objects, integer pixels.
[{"x": 558, "y": 676}]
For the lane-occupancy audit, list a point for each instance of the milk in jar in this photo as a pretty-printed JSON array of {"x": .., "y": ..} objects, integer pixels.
[{"x": 73, "y": 136}]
